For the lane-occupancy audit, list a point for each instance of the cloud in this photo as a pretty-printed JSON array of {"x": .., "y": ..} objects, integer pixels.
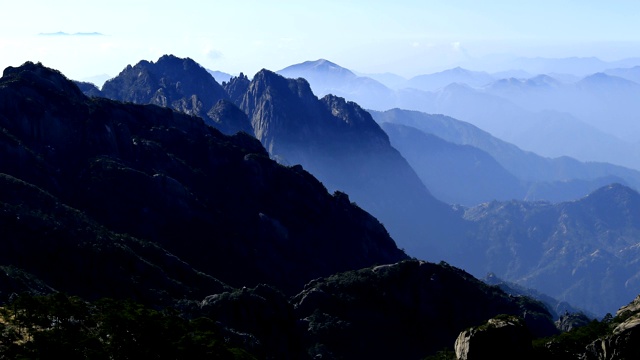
[
  {"x": 212, "y": 54},
  {"x": 62, "y": 33}
]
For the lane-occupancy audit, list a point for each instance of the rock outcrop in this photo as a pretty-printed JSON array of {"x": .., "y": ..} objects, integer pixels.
[
  {"x": 624, "y": 340},
  {"x": 406, "y": 310},
  {"x": 503, "y": 337},
  {"x": 180, "y": 84}
]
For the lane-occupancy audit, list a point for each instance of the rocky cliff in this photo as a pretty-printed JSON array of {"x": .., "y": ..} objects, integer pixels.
[
  {"x": 180, "y": 84},
  {"x": 502, "y": 337}
]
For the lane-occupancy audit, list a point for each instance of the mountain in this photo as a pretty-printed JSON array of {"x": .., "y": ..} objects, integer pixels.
[
  {"x": 549, "y": 133},
  {"x": 214, "y": 202},
  {"x": 526, "y": 166},
  {"x": 603, "y": 101},
  {"x": 346, "y": 149},
  {"x": 220, "y": 76},
  {"x": 101, "y": 198},
  {"x": 396, "y": 308},
  {"x": 558, "y": 309},
  {"x": 326, "y": 78},
  {"x": 631, "y": 74},
  {"x": 544, "y": 114},
  {"x": 579, "y": 66},
  {"x": 456, "y": 174},
  {"x": 390, "y": 80},
  {"x": 180, "y": 84},
  {"x": 337, "y": 141},
  {"x": 435, "y": 81},
  {"x": 588, "y": 247}
]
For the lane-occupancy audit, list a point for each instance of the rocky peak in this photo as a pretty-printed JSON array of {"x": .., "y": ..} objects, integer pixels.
[
  {"x": 169, "y": 82},
  {"x": 236, "y": 87},
  {"x": 283, "y": 112},
  {"x": 356, "y": 118}
]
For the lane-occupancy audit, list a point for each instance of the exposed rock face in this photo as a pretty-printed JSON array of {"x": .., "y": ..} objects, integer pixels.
[
  {"x": 624, "y": 340},
  {"x": 340, "y": 143},
  {"x": 180, "y": 84},
  {"x": 407, "y": 310},
  {"x": 216, "y": 202},
  {"x": 504, "y": 337},
  {"x": 621, "y": 344},
  {"x": 236, "y": 87},
  {"x": 568, "y": 322},
  {"x": 229, "y": 119}
]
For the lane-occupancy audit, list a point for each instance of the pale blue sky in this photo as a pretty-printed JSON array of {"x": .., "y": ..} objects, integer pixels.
[{"x": 403, "y": 36}]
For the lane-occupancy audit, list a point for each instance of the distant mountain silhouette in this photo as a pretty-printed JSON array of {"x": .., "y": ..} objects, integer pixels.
[
  {"x": 435, "y": 81},
  {"x": 632, "y": 74},
  {"x": 456, "y": 174},
  {"x": 326, "y": 78},
  {"x": 527, "y": 166},
  {"x": 220, "y": 76},
  {"x": 545, "y": 114}
]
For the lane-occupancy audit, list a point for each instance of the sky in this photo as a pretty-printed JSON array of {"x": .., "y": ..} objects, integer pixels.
[{"x": 405, "y": 37}]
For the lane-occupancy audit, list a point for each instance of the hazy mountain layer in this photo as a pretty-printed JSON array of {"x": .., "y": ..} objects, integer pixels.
[
  {"x": 456, "y": 174},
  {"x": 563, "y": 174},
  {"x": 345, "y": 148},
  {"x": 585, "y": 120},
  {"x": 583, "y": 251}
]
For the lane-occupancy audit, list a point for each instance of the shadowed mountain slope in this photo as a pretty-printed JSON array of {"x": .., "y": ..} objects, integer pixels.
[
  {"x": 216, "y": 202},
  {"x": 342, "y": 145}
]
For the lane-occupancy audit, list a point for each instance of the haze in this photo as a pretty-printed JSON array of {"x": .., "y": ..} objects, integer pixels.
[{"x": 404, "y": 37}]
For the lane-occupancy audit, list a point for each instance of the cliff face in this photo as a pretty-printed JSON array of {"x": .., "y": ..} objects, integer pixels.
[
  {"x": 504, "y": 337},
  {"x": 339, "y": 143},
  {"x": 215, "y": 201},
  {"x": 623, "y": 342}
]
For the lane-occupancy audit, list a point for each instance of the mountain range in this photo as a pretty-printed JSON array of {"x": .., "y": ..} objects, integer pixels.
[
  {"x": 501, "y": 171},
  {"x": 102, "y": 198},
  {"x": 541, "y": 113},
  {"x": 340, "y": 143}
]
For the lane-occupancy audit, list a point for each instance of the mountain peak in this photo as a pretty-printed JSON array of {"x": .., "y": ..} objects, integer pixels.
[
  {"x": 41, "y": 77},
  {"x": 320, "y": 67}
]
